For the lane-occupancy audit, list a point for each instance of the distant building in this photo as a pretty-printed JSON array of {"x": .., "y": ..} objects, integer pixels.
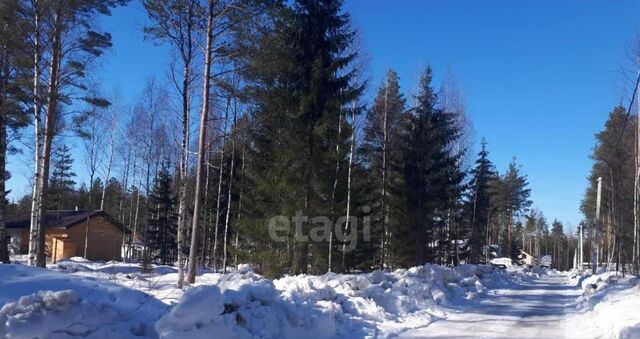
[
  {"x": 525, "y": 258},
  {"x": 66, "y": 232}
]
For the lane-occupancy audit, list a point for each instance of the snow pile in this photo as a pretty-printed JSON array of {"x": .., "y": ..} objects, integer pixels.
[
  {"x": 79, "y": 264},
  {"x": 605, "y": 303},
  {"x": 630, "y": 332},
  {"x": 592, "y": 283},
  {"x": 41, "y": 303},
  {"x": 244, "y": 304},
  {"x": 609, "y": 309}
]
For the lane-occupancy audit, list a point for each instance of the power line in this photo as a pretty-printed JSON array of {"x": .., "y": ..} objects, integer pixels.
[{"x": 633, "y": 97}]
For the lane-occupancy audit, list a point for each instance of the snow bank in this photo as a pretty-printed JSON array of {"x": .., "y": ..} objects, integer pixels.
[
  {"x": 79, "y": 264},
  {"x": 605, "y": 303},
  {"x": 96, "y": 299},
  {"x": 630, "y": 332},
  {"x": 244, "y": 304},
  {"x": 41, "y": 303}
]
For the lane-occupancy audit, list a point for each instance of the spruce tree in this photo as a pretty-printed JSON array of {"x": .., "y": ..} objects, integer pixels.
[
  {"x": 300, "y": 84},
  {"x": 381, "y": 152},
  {"x": 163, "y": 219},
  {"x": 62, "y": 185},
  {"x": 432, "y": 175},
  {"x": 479, "y": 203}
]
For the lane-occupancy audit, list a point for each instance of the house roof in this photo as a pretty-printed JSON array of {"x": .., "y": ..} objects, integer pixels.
[
  {"x": 61, "y": 219},
  {"x": 525, "y": 253}
]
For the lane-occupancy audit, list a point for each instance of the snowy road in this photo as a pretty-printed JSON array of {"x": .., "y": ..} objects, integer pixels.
[{"x": 535, "y": 309}]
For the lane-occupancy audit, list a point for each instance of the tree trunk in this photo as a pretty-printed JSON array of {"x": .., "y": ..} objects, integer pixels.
[
  {"x": 333, "y": 192},
  {"x": 214, "y": 255},
  {"x": 193, "y": 251},
  {"x": 229, "y": 191},
  {"x": 4, "y": 237},
  {"x": 184, "y": 159},
  {"x": 35, "y": 193},
  {"x": 52, "y": 105},
  {"x": 383, "y": 240},
  {"x": 351, "y": 151},
  {"x": 109, "y": 164},
  {"x": 237, "y": 246}
]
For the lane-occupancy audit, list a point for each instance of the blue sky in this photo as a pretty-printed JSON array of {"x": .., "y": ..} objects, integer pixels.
[{"x": 539, "y": 77}]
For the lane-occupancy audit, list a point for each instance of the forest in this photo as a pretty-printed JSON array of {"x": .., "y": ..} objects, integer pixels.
[{"x": 264, "y": 113}]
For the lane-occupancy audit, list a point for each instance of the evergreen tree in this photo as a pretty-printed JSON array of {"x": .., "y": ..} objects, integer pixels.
[
  {"x": 558, "y": 240},
  {"x": 479, "y": 203},
  {"x": 163, "y": 219},
  {"x": 381, "y": 153},
  {"x": 62, "y": 185},
  {"x": 13, "y": 88},
  {"x": 613, "y": 162},
  {"x": 515, "y": 200},
  {"x": 301, "y": 81},
  {"x": 432, "y": 175}
]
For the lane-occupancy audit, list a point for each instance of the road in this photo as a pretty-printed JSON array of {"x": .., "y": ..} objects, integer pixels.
[{"x": 534, "y": 309}]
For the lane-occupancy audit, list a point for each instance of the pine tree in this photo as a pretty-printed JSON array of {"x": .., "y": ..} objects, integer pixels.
[
  {"x": 613, "y": 162},
  {"x": 13, "y": 89},
  {"x": 68, "y": 61},
  {"x": 515, "y": 200}
]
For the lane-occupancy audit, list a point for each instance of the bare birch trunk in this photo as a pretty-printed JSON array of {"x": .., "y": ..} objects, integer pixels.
[
  {"x": 109, "y": 163},
  {"x": 184, "y": 159},
  {"x": 384, "y": 177},
  {"x": 351, "y": 151},
  {"x": 214, "y": 255},
  {"x": 125, "y": 183},
  {"x": 135, "y": 219},
  {"x": 193, "y": 251},
  {"x": 229, "y": 191},
  {"x": 35, "y": 194},
  {"x": 333, "y": 193}
]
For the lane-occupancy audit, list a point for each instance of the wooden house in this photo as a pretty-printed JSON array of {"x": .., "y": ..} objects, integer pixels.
[
  {"x": 526, "y": 259},
  {"x": 70, "y": 233}
]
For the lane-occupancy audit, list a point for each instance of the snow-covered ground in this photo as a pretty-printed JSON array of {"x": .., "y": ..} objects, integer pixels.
[{"x": 90, "y": 299}]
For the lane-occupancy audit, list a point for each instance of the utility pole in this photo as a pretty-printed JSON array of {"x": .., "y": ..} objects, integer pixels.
[
  {"x": 595, "y": 248},
  {"x": 580, "y": 254}
]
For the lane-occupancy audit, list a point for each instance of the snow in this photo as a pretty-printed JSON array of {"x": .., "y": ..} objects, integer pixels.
[
  {"x": 42, "y": 303},
  {"x": 77, "y": 297}
]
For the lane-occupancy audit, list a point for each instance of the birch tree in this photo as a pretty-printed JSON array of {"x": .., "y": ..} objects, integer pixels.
[
  {"x": 112, "y": 123},
  {"x": 177, "y": 22},
  {"x": 381, "y": 148},
  {"x": 74, "y": 43},
  {"x": 202, "y": 137}
]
